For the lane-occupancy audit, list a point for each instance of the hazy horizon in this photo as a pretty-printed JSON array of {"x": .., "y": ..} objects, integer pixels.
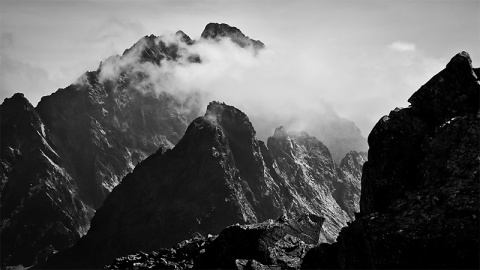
[{"x": 364, "y": 58}]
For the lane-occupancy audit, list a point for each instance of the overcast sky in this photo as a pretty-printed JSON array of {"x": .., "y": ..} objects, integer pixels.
[{"x": 363, "y": 57}]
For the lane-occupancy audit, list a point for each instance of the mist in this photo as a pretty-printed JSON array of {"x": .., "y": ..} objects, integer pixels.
[{"x": 273, "y": 87}]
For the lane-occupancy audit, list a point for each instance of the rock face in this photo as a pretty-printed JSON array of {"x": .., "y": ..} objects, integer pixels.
[
  {"x": 419, "y": 202},
  {"x": 41, "y": 209},
  {"x": 311, "y": 178},
  {"x": 217, "y": 175},
  {"x": 217, "y": 31}
]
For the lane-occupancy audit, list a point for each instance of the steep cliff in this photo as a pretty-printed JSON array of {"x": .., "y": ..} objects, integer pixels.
[
  {"x": 40, "y": 206},
  {"x": 419, "y": 203}
]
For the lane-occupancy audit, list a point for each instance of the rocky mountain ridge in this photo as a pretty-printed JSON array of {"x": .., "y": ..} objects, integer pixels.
[
  {"x": 217, "y": 175},
  {"x": 99, "y": 127},
  {"x": 419, "y": 202},
  {"x": 92, "y": 134}
]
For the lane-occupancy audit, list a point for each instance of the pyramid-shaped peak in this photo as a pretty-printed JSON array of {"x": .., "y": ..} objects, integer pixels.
[
  {"x": 214, "y": 30},
  {"x": 461, "y": 61},
  {"x": 222, "y": 30}
]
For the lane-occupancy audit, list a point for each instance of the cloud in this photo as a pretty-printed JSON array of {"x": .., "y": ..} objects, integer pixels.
[
  {"x": 6, "y": 40},
  {"x": 21, "y": 77},
  {"x": 402, "y": 46},
  {"x": 272, "y": 87},
  {"x": 300, "y": 86}
]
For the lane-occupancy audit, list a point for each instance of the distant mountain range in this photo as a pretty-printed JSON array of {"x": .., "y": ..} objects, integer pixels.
[
  {"x": 419, "y": 205},
  {"x": 62, "y": 158}
]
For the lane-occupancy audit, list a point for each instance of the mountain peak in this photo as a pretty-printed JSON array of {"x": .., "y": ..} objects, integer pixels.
[
  {"x": 228, "y": 117},
  {"x": 184, "y": 37},
  {"x": 18, "y": 100},
  {"x": 461, "y": 61},
  {"x": 221, "y": 30},
  {"x": 280, "y": 132},
  {"x": 452, "y": 91},
  {"x": 213, "y": 30}
]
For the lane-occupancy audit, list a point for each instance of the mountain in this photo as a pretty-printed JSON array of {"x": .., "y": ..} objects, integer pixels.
[
  {"x": 217, "y": 175},
  {"x": 41, "y": 209},
  {"x": 340, "y": 135},
  {"x": 96, "y": 130},
  {"x": 217, "y": 31},
  {"x": 419, "y": 203}
]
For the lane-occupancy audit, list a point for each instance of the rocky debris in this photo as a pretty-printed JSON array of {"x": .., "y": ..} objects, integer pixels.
[
  {"x": 279, "y": 244},
  {"x": 419, "y": 202},
  {"x": 217, "y": 175},
  {"x": 41, "y": 211},
  {"x": 217, "y": 31}
]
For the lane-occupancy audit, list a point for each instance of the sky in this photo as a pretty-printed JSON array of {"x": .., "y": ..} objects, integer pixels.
[{"x": 363, "y": 57}]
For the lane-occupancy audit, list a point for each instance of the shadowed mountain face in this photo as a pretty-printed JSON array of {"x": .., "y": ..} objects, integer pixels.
[
  {"x": 419, "y": 203},
  {"x": 217, "y": 175},
  {"x": 40, "y": 204}
]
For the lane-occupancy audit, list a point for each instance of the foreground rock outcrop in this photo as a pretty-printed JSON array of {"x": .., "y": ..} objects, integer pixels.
[
  {"x": 279, "y": 244},
  {"x": 420, "y": 186}
]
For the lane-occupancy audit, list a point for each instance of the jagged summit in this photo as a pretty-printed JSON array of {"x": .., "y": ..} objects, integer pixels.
[
  {"x": 461, "y": 61},
  {"x": 229, "y": 118},
  {"x": 217, "y": 30},
  {"x": 451, "y": 92},
  {"x": 17, "y": 101},
  {"x": 184, "y": 37},
  {"x": 280, "y": 132}
]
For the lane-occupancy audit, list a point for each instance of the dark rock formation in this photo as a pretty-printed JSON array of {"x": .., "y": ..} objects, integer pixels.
[
  {"x": 277, "y": 244},
  {"x": 217, "y": 175},
  {"x": 420, "y": 186},
  {"x": 217, "y": 31},
  {"x": 40, "y": 206}
]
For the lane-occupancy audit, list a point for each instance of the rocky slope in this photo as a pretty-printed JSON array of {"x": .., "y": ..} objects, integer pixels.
[
  {"x": 217, "y": 175},
  {"x": 420, "y": 186},
  {"x": 40, "y": 206}
]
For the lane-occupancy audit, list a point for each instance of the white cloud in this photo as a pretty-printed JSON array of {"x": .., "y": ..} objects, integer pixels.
[{"x": 402, "y": 46}]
